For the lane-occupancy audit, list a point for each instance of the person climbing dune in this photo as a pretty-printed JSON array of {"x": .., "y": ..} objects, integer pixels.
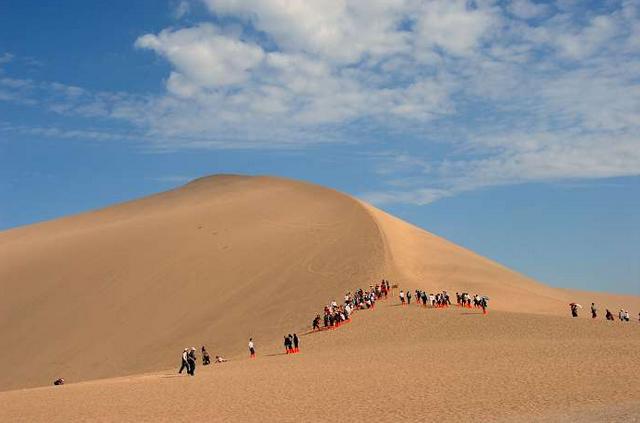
[
  {"x": 185, "y": 363},
  {"x": 191, "y": 360},
  {"x": 252, "y": 350}
]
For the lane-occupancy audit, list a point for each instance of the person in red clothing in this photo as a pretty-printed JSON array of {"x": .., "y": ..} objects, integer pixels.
[{"x": 296, "y": 343}]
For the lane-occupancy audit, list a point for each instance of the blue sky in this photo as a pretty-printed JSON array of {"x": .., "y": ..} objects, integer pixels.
[{"x": 509, "y": 127}]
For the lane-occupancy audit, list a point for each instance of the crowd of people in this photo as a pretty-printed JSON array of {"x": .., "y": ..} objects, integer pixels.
[
  {"x": 623, "y": 315},
  {"x": 443, "y": 300},
  {"x": 335, "y": 314},
  {"x": 291, "y": 344},
  {"x": 189, "y": 359}
]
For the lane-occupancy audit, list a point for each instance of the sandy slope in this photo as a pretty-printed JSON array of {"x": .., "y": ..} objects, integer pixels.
[
  {"x": 421, "y": 259},
  {"x": 390, "y": 364},
  {"x": 122, "y": 290}
]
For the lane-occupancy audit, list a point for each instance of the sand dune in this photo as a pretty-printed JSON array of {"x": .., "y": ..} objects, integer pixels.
[
  {"x": 421, "y": 259},
  {"x": 122, "y": 290},
  {"x": 390, "y": 364}
]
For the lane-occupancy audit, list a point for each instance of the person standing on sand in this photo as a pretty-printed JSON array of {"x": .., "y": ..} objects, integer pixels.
[
  {"x": 252, "y": 350},
  {"x": 409, "y": 297},
  {"x": 185, "y": 363},
  {"x": 206, "y": 358},
  {"x": 401, "y": 297},
  {"x": 574, "y": 310},
  {"x": 609, "y": 315},
  {"x": 191, "y": 360},
  {"x": 290, "y": 343},
  {"x": 287, "y": 345},
  {"x": 296, "y": 342},
  {"x": 594, "y": 311}
]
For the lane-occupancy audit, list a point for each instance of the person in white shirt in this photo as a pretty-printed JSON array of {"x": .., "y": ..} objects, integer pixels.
[
  {"x": 402, "y": 297},
  {"x": 252, "y": 350},
  {"x": 185, "y": 364}
]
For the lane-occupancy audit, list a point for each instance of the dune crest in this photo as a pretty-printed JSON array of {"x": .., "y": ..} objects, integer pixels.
[{"x": 123, "y": 289}]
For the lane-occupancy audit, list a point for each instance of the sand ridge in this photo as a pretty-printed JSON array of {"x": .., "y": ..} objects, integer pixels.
[
  {"x": 389, "y": 364},
  {"x": 121, "y": 291}
]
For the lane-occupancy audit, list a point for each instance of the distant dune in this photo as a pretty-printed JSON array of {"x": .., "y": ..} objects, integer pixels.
[{"x": 122, "y": 290}]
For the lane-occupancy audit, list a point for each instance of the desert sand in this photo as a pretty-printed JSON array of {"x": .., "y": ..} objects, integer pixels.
[{"x": 118, "y": 292}]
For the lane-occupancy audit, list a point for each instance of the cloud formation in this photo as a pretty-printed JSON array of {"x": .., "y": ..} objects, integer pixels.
[{"x": 511, "y": 92}]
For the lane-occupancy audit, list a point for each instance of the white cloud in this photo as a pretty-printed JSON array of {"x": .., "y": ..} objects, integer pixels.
[
  {"x": 473, "y": 92},
  {"x": 454, "y": 25},
  {"x": 92, "y": 134},
  {"x": 419, "y": 197},
  {"x": 204, "y": 56},
  {"x": 527, "y": 9},
  {"x": 5, "y": 58},
  {"x": 580, "y": 43},
  {"x": 181, "y": 9},
  {"x": 336, "y": 30}
]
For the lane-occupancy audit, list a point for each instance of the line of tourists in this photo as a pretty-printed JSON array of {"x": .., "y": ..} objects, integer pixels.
[
  {"x": 335, "y": 314},
  {"x": 291, "y": 344},
  {"x": 443, "y": 300},
  {"x": 623, "y": 315},
  {"x": 189, "y": 359}
]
